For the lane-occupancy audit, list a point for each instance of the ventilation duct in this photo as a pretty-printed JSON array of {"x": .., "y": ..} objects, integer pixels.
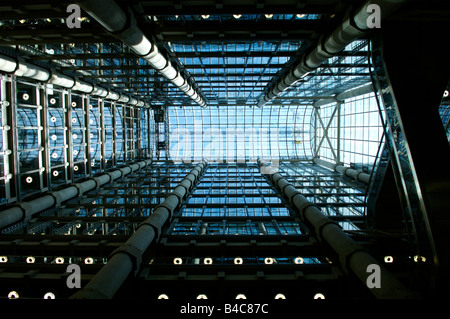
[
  {"x": 28, "y": 70},
  {"x": 352, "y": 28},
  {"x": 123, "y": 26}
]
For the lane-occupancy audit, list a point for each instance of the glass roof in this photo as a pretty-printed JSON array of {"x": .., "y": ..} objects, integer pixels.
[{"x": 239, "y": 133}]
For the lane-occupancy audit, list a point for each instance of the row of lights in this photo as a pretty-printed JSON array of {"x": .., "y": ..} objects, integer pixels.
[
  {"x": 238, "y": 16},
  {"x": 206, "y": 261},
  {"x": 50, "y": 295},
  {"x": 58, "y": 260},
  {"x": 297, "y": 260},
  {"x": 238, "y": 261},
  {"x": 15, "y": 295},
  {"x": 243, "y": 296}
]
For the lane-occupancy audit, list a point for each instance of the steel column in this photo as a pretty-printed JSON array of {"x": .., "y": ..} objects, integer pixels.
[
  {"x": 128, "y": 257},
  {"x": 352, "y": 256},
  {"x": 353, "y": 173},
  {"x": 26, "y": 210}
]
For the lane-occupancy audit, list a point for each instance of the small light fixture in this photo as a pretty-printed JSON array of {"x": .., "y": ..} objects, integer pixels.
[
  {"x": 302, "y": 15},
  {"x": 388, "y": 259},
  {"x": 208, "y": 261},
  {"x": 319, "y": 296},
  {"x": 205, "y": 16},
  {"x": 13, "y": 295},
  {"x": 30, "y": 260},
  {"x": 177, "y": 261},
  {"x": 49, "y": 295},
  {"x": 241, "y": 296},
  {"x": 163, "y": 296},
  {"x": 202, "y": 296},
  {"x": 299, "y": 260},
  {"x": 268, "y": 261},
  {"x": 237, "y": 16},
  {"x": 418, "y": 258},
  {"x": 280, "y": 296},
  {"x": 238, "y": 261},
  {"x": 269, "y": 16}
]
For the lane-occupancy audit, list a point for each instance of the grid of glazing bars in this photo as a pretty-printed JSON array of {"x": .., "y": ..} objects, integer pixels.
[{"x": 52, "y": 137}]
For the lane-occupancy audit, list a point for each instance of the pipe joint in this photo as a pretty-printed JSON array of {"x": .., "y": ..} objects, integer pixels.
[
  {"x": 301, "y": 207},
  {"x": 347, "y": 251},
  {"x": 319, "y": 226},
  {"x": 133, "y": 253},
  {"x": 169, "y": 207},
  {"x": 149, "y": 222},
  {"x": 58, "y": 198}
]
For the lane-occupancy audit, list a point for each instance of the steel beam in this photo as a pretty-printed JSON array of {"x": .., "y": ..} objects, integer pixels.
[
  {"x": 352, "y": 256},
  {"x": 350, "y": 172},
  {"x": 128, "y": 257},
  {"x": 25, "y": 210}
]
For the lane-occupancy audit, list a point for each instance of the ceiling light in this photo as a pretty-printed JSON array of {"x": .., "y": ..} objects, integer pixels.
[
  {"x": 388, "y": 259},
  {"x": 205, "y": 16},
  {"x": 241, "y": 296},
  {"x": 301, "y": 15},
  {"x": 13, "y": 295},
  {"x": 280, "y": 296},
  {"x": 319, "y": 296},
  {"x": 269, "y": 16},
  {"x": 418, "y": 258},
  {"x": 208, "y": 261},
  {"x": 163, "y": 296},
  {"x": 237, "y": 16},
  {"x": 49, "y": 295}
]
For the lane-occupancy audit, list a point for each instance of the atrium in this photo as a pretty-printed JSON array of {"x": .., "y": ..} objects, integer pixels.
[{"x": 219, "y": 149}]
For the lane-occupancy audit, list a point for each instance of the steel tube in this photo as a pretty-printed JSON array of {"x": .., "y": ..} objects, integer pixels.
[
  {"x": 122, "y": 24},
  {"x": 352, "y": 256},
  {"x": 352, "y": 28},
  {"x": 353, "y": 173},
  {"x": 128, "y": 257},
  {"x": 28, "y": 70},
  {"x": 27, "y": 209}
]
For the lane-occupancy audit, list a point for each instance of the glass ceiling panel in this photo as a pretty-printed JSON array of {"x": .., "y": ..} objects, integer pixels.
[{"x": 240, "y": 133}]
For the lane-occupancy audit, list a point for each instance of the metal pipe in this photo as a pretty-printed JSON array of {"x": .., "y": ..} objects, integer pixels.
[
  {"x": 353, "y": 173},
  {"x": 28, "y": 70},
  {"x": 122, "y": 25},
  {"x": 25, "y": 210},
  {"x": 128, "y": 257},
  {"x": 341, "y": 97},
  {"x": 352, "y": 28},
  {"x": 352, "y": 256}
]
